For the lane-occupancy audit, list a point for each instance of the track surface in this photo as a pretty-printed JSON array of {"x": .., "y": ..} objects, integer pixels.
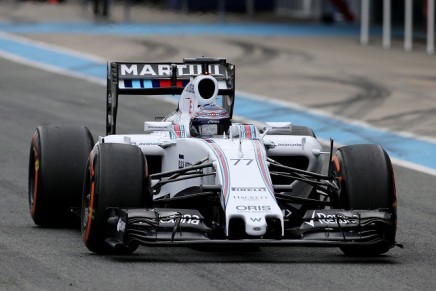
[
  {"x": 34, "y": 258},
  {"x": 390, "y": 89}
]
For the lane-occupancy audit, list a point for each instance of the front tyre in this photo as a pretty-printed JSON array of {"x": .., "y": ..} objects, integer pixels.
[
  {"x": 367, "y": 182},
  {"x": 115, "y": 177},
  {"x": 57, "y": 161}
]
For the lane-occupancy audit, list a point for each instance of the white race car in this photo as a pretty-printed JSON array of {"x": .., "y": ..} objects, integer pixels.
[{"x": 197, "y": 178}]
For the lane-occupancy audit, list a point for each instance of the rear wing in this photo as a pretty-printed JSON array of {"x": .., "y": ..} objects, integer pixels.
[{"x": 129, "y": 78}]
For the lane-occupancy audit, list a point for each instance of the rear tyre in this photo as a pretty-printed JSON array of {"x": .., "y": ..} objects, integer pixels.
[
  {"x": 302, "y": 130},
  {"x": 57, "y": 161},
  {"x": 115, "y": 177},
  {"x": 367, "y": 182}
]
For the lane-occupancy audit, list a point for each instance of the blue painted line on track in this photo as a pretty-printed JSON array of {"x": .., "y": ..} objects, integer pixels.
[
  {"x": 403, "y": 148},
  {"x": 52, "y": 57},
  {"x": 229, "y": 29}
]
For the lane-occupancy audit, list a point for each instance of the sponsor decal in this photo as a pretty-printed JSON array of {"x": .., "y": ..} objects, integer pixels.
[
  {"x": 121, "y": 225},
  {"x": 249, "y": 189},
  {"x": 329, "y": 219},
  {"x": 154, "y": 71},
  {"x": 249, "y": 198},
  {"x": 190, "y": 88},
  {"x": 290, "y": 145},
  {"x": 186, "y": 219},
  {"x": 144, "y": 143},
  {"x": 149, "y": 143},
  {"x": 182, "y": 163},
  {"x": 281, "y": 127},
  {"x": 256, "y": 219},
  {"x": 253, "y": 208}
]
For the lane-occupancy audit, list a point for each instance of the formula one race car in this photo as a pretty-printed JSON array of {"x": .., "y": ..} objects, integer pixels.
[{"x": 197, "y": 178}]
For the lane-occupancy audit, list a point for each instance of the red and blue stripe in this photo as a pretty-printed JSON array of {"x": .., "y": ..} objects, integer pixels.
[
  {"x": 260, "y": 160},
  {"x": 224, "y": 169},
  {"x": 148, "y": 84},
  {"x": 248, "y": 131}
]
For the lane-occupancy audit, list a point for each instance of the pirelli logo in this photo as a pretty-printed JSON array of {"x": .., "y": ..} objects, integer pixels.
[{"x": 249, "y": 189}]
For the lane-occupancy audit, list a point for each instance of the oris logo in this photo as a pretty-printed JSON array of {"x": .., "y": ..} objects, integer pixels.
[{"x": 253, "y": 207}]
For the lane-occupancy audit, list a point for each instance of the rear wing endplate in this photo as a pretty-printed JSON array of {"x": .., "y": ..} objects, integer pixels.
[{"x": 131, "y": 78}]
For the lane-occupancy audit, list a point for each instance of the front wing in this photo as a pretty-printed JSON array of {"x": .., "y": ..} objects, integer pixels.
[{"x": 175, "y": 227}]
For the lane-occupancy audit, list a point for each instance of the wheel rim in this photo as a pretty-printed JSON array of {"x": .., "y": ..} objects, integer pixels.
[
  {"x": 33, "y": 176},
  {"x": 88, "y": 201}
]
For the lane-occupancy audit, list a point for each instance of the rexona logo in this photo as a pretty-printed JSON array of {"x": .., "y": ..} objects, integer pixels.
[
  {"x": 329, "y": 219},
  {"x": 186, "y": 219},
  {"x": 281, "y": 127},
  {"x": 165, "y": 70},
  {"x": 290, "y": 145}
]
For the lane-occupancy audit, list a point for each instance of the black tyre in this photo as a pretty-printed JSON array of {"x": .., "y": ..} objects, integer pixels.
[
  {"x": 302, "y": 130},
  {"x": 115, "y": 177},
  {"x": 367, "y": 182},
  {"x": 57, "y": 161}
]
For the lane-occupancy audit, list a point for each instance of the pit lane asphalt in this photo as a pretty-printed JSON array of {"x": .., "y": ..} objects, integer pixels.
[
  {"x": 34, "y": 258},
  {"x": 385, "y": 88}
]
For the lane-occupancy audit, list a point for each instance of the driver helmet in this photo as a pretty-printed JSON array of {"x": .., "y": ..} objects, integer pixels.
[{"x": 209, "y": 120}]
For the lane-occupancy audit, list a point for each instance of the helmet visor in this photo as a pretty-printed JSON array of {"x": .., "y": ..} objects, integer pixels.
[{"x": 209, "y": 129}]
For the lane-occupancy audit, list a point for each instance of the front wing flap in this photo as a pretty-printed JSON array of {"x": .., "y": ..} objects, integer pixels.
[{"x": 345, "y": 225}]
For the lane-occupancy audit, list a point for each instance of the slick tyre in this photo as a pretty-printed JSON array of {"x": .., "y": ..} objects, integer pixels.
[
  {"x": 57, "y": 161},
  {"x": 302, "y": 130},
  {"x": 367, "y": 183},
  {"x": 115, "y": 177}
]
